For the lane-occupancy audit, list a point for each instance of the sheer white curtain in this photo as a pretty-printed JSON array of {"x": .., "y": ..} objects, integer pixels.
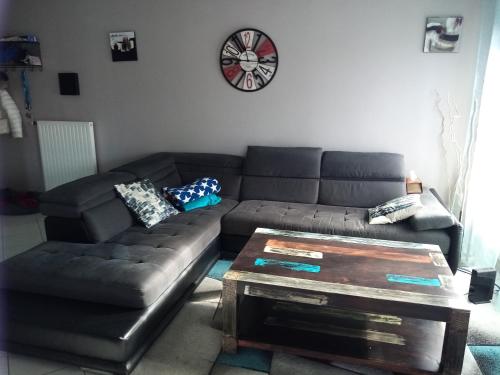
[{"x": 481, "y": 246}]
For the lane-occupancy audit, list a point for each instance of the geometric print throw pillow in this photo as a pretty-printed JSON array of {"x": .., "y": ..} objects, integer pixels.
[
  {"x": 395, "y": 209},
  {"x": 188, "y": 193},
  {"x": 145, "y": 201}
]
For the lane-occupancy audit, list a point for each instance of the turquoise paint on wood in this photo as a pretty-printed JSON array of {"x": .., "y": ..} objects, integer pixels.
[
  {"x": 404, "y": 279},
  {"x": 294, "y": 266}
]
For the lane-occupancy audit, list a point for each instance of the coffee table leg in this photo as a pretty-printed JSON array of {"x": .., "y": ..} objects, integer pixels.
[
  {"x": 230, "y": 316},
  {"x": 455, "y": 340}
]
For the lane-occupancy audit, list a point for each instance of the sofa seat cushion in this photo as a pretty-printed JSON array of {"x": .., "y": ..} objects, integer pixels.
[
  {"x": 251, "y": 214},
  {"x": 187, "y": 233},
  {"x": 133, "y": 269},
  {"x": 129, "y": 276},
  {"x": 67, "y": 330},
  {"x": 353, "y": 222},
  {"x": 347, "y": 221}
]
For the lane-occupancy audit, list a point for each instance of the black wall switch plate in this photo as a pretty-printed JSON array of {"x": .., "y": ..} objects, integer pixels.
[
  {"x": 482, "y": 285},
  {"x": 69, "y": 84}
]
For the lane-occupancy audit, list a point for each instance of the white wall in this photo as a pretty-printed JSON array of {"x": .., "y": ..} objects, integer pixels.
[{"x": 351, "y": 76}]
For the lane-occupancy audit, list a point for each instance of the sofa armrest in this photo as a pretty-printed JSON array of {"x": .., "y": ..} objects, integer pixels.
[{"x": 433, "y": 215}]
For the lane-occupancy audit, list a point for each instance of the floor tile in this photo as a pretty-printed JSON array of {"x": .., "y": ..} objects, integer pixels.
[
  {"x": 41, "y": 227},
  {"x": 209, "y": 290},
  {"x": 2, "y": 239},
  {"x": 470, "y": 366},
  {"x": 23, "y": 365},
  {"x": 20, "y": 233},
  {"x": 174, "y": 366},
  {"x": 17, "y": 224},
  {"x": 220, "y": 369},
  {"x": 18, "y": 245},
  {"x": 286, "y": 364},
  {"x": 362, "y": 370},
  {"x": 189, "y": 336},
  {"x": 4, "y": 363},
  {"x": 69, "y": 371}
]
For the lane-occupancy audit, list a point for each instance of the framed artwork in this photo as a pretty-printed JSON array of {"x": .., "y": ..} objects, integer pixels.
[
  {"x": 123, "y": 46},
  {"x": 442, "y": 34}
]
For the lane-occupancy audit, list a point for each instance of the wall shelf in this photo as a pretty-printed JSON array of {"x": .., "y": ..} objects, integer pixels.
[{"x": 20, "y": 55}]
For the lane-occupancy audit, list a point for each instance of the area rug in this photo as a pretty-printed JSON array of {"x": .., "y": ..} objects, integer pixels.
[
  {"x": 487, "y": 357},
  {"x": 252, "y": 359},
  {"x": 219, "y": 269}
]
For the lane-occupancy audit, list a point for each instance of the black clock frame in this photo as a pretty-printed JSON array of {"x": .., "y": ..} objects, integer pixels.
[{"x": 222, "y": 49}]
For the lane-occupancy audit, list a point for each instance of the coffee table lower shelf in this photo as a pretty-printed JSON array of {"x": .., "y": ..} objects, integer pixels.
[{"x": 399, "y": 344}]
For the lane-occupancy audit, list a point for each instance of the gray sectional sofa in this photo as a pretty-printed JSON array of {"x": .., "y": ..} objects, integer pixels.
[{"x": 103, "y": 287}]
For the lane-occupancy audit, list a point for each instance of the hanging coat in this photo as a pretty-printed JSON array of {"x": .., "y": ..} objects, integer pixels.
[{"x": 10, "y": 117}]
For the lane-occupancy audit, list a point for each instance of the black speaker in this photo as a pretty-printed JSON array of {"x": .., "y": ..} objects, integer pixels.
[
  {"x": 68, "y": 84},
  {"x": 482, "y": 285}
]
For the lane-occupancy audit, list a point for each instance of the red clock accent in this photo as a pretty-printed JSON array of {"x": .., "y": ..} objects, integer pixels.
[
  {"x": 266, "y": 48},
  {"x": 249, "y": 60},
  {"x": 231, "y": 72}
]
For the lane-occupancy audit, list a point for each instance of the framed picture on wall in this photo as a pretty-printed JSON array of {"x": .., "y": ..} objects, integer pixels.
[
  {"x": 442, "y": 34},
  {"x": 123, "y": 46}
]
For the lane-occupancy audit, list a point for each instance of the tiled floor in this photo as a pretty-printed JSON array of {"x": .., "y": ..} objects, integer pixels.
[{"x": 191, "y": 343}]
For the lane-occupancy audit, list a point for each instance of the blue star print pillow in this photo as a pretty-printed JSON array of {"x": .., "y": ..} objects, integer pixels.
[{"x": 200, "y": 188}]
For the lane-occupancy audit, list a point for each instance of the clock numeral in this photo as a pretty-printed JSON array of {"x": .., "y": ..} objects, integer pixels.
[
  {"x": 247, "y": 37},
  {"x": 230, "y": 50},
  {"x": 249, "y": 82},
  {"x": 268, "y": 60},
  {"x": 230, "y": 61},
  {"x": 266, "y": 70},
  {"x": 254, "y": 47},
  {"x": 258, "y": 80},
  {"x": 238, "y": 43}
]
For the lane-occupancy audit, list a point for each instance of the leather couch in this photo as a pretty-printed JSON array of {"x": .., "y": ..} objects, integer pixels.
[{"x": 103, "y": 287}]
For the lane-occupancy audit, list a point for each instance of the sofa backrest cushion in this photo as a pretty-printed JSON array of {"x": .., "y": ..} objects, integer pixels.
[
  {"x": 158, "y": 168},
  {"x": 286, "y": 174},
  {"x": 226, "y": 169},
  {"x": 361, "y": 179},
  {"x": 107, "y": 220},
  {"x": 71, "y": 199}
]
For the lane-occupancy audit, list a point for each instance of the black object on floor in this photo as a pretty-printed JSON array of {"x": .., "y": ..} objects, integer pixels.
[
  {"x": 482, "y": 284},
  {"x": 18, "y": 202}
]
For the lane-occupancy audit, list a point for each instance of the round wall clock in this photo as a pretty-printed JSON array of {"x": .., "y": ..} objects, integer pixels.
[{"x": 249, "y": 60}]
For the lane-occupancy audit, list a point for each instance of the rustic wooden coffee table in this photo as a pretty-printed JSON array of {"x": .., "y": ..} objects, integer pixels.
[{"x": 385, "y": 304}]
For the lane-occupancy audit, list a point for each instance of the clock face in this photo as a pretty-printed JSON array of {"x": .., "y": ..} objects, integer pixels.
[{"x": 249, "y": 60}]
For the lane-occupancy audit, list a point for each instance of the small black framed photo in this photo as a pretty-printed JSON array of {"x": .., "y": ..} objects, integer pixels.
[{"x": 123, "y": 46}]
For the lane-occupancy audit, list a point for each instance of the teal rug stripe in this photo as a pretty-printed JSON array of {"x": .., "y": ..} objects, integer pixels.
[
  {"x": 252, "y": 359},
  {"x": 404, "y": 279},
  {"x": 487, "y": 357},
  {"x": 294, "y": 266},
  {"x": 219, "y": 269}
]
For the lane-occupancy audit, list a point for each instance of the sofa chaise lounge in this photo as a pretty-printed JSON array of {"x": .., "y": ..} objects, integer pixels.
[{"x": 103, "y": 287}]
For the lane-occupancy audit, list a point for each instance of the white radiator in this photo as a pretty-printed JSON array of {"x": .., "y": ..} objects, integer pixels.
[{"x": 67, "y": 151}]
